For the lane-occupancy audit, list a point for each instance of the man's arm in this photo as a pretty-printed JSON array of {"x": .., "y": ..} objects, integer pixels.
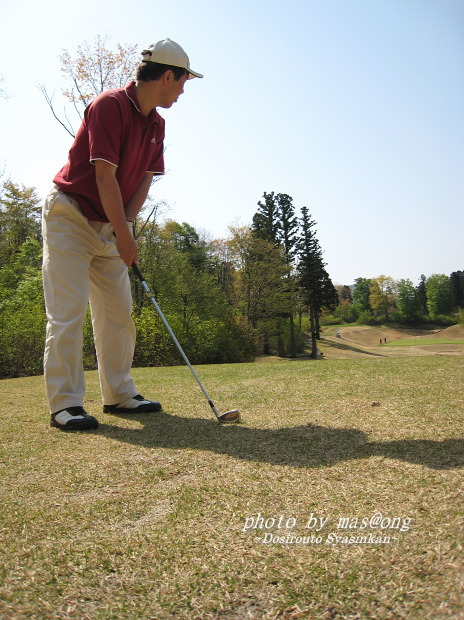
[
  {"x": 137, "y": 200},
  {"x": 110, "y": 196}
]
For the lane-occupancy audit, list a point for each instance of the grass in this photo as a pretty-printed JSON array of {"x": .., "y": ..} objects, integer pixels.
[
  {"x": 165, "y": 516},
  {"x": 419, "y": 342}
]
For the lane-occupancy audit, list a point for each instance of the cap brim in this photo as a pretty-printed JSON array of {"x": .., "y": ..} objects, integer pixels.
[{"x": 193, "y": 74}]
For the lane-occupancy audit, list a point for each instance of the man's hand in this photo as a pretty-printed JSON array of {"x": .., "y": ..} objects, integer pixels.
[
  {"x": 110, "y": 196},
  {"x": 127, "y": 246}
]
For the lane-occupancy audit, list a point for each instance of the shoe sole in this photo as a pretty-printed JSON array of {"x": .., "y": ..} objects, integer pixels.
[
  {"x": 154, "y": 408},
  {"x": 77, "y": 426}
]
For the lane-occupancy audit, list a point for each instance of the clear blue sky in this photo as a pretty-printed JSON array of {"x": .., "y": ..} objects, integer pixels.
[{"x": 355, "y": 108}]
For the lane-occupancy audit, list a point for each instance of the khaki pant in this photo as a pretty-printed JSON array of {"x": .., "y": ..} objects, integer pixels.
[{"x": 81, "y": 263}]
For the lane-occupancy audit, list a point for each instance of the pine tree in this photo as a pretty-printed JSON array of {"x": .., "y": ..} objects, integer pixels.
[
  {"x": 326, "y": 297},
  {"x": 311, "y": 273},
  {"x": 288, "y": 238},
  {"x": 288, "y": 226},
  {"x": 275, "y": 222},
  {"x": 266, "y": 224}
]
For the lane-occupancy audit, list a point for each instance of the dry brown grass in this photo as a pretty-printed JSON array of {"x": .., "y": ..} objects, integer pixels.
[
  {"x": 145, "y": 517},
  {"x": 364, "y": 341}
]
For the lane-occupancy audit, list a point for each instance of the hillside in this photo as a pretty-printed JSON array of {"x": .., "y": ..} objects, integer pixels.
[{"x": 366, "y": 341}]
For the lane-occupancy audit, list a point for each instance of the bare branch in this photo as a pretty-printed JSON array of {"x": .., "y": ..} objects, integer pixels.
[
  {"x": 92, "y": 70},
  {"x": 154, "y": 212},
  {"x": 49, "y": 99},
  {"x": 77, "y": 110},
  {"x": 66, "y": 116}
]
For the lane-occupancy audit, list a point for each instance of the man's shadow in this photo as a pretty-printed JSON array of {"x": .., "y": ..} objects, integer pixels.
[{"x": 306, "y": 446}]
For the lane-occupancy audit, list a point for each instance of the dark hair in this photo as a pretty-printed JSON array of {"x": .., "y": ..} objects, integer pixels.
[{"x": 154, "y": 70}]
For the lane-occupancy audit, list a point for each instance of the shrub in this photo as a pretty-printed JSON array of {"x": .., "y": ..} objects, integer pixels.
[
  {"x": 22, "y": 334},
  {"x": 399, "y": 317},
  {"x": 460, "y": 316},
  {"x": 348, "y": 313},
  {"x": 443, "y": 319},
  {"x": 367, "y": 318},
  {"x": 206, "y": 341},
  {"x": 330, "y": 319},
  {"x": 154, "y": 346}
]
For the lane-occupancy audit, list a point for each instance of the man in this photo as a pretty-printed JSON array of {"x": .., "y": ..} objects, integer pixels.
[{"x": 88, "y": 241}]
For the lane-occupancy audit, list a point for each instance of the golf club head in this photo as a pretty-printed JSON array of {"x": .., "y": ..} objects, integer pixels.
[{"x": 230, "y": 417}]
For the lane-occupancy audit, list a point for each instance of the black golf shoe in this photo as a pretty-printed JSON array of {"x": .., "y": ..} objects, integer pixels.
[
  {"x": 73, "y": 419},
  {"x": 137, "y": 404}
]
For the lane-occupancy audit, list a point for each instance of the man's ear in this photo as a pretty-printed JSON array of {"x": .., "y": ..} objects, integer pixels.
[{"x": 168, "y": 76}]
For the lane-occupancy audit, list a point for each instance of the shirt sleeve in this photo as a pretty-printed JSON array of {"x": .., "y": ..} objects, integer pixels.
[{"x": 104, "y": 124}]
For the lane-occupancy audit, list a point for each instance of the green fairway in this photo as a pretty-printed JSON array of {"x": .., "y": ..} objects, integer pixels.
[
  {"x": 339, "y": 497},
  {"x": 420, "y": 342}
]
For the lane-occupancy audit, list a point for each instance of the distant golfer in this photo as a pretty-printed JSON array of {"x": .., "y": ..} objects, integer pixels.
[{"x": 88, "y": 242}]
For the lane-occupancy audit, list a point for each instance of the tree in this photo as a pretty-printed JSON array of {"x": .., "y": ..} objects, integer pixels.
[
  {"x": 22, "y": 316},
  {"x": 309, "y": 265},
  {"x": 23, "y": 264},
  {"x": 94, "y": 69},
  {"x": 288, "y": 226},
  {"x": 344, "y": 294},
  {"x": 346, "y": 310},
  {"x": 361, "y": 294},
  {"x": 457, "y": 279},
  {"x": 422, "y": 290},
  {"x": 275, "y": 221},
  {"x": 19, "y": 218},
  {"x": 192, "y": 299},
  {"x": 440, "y": 295},
  {"x": 221, "y": 257},
  {"x": 265, "y": 223},
  {"x": 289, "y": 237},
  {"x": 408, "y": 300},
  {"x": 261, "y": 287},
  {"x": 188, "y": 242},
  {"x": 382, "y": 294},
  {"x": 317, "y": 288},
  {"x": 326, "y": 297}
]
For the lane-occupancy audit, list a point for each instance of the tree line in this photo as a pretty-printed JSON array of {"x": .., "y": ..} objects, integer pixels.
[
  {"x": 263, "y": 290},
  {"x": 438, "y": 299},
  {"x": 227, "y": 300}
]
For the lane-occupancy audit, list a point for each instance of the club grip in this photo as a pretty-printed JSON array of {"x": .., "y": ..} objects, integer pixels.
[{"x": 137, "y": 272}]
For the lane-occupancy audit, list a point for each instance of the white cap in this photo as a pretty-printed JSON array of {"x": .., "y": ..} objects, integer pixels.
[{"x": 169, "y": 52}]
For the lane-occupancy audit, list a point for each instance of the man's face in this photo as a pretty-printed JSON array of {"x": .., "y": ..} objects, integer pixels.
[{"x": 173, "y": 89}]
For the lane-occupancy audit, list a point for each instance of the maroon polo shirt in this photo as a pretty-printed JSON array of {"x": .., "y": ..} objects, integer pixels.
[{"x": 115, "y": 130}]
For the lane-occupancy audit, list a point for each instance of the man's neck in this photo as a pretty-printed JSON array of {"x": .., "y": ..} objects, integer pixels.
[{"x": 147, "y": 96}]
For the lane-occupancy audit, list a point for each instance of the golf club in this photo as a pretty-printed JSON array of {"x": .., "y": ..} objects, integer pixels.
[{"x": 225, "y": 418}]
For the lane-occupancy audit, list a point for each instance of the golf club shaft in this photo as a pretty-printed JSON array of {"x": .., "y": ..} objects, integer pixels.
[{"x": 139, "y": 275}]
